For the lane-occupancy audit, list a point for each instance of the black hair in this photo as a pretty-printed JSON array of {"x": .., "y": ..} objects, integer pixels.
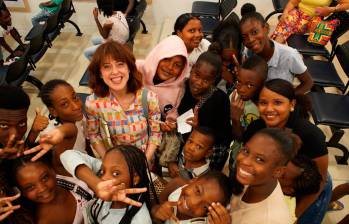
[
  {"x": 308, "y": 182},
  {"x": 252, "y": 16},
  {"x": 13, "y": 98},
  {"x": 247, "y": 8},
  {"x": 223, "y": 182},
  {"x": 286, "y": 141},
  {"x": 205, "y": 131},
  {"x": 46, "y": 91},
  {"x": 214, "y": 60},
  {"x": 257, "y": 64},
  {"x": 285, "y": 88},
  {"x": 106, "y": 6},
  {"x": 182, "y": 21},
  {"x": 137, "y": 163},
  {"x": 228, "y": 37}
]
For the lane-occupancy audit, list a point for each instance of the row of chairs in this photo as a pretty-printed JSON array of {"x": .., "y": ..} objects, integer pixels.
[
  {"x": 40, "y": 38},
  {"x": 328, "y": 109}
]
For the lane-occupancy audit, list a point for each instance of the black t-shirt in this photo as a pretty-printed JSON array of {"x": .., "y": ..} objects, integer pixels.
[
  {"x": 313, "y": 139},
  {"x": 214, "y": 113}
]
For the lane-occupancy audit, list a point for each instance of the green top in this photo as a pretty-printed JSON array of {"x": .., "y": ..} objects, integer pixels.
[{"x": 53, "y": 9}]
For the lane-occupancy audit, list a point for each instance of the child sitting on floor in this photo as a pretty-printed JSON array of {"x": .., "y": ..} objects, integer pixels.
[{"x": 193, "y": 161}]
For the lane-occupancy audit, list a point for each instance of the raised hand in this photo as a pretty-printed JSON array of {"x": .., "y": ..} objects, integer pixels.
[
  {"x": 95, "y": 13},
  {"x": 6, "y": 207},
  {"x": 236, "y": 106},
  {"x": 110, "y": 190},
  {"x": 40, "y": 121},
  {"x": 13, "y": 148},
  {"x": 218, "y": 214},
  {"x": 166, "y": 211}
]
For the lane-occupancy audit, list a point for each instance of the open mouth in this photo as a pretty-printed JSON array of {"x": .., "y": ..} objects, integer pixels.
[{"x": 116, "y": 80}]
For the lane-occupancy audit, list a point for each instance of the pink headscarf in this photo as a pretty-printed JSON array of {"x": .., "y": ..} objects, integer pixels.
[{"x": 172, "y": 90}]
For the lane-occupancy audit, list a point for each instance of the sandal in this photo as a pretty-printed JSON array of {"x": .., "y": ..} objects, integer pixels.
[{"x": 335, "y": 206}]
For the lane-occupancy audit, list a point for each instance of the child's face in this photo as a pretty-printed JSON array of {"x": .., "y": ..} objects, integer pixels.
[
  {"x": 197, "y": 196},
  {"x": 66, "y": 104},
  {"x": 169, "y": 68},
  {"x": 115, "y": 167},
  {"x": 115, "y": 74},
  {"x": 197, "y": 147},
  {"x": 202, "y": 77},
  {"x": 37, "y": 182},
  {"x": 12, "y": 122},
  {"x": 254, "y": 35},
  {"x": 192, "y": 34},
  {"x": 257, "y": 161},
  {"x": 248, "y": 82},
  {"x": 287, "y": 179},
  {"x": 5, "y": 18},
  {"x": 274, "y": 108}
]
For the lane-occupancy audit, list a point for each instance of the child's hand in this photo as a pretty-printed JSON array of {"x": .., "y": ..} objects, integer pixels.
[
  {"x": 110, "y": 190},
  {"x": 47, "y": 141},
  {"x": 168, "y": 125},
  {"x": 218, "y": 214},
  {"x": 13, "y": 148},
  {"x": 40, "y": 122},
  {"x": 6, "y": 208},
  {"x": 95, "y": 13},
  {"x": 194, "y": 121},
  {"x": 173, "y": 169},
  {"x": 166, "y": 211},
  {"x": 236, "y": 106}
]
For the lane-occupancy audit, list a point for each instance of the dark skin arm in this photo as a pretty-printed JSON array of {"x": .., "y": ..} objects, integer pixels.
[
  {"x": 14, "y": 33},
  {"x": 47, "y": 4},
  {"x": 131, "y": 4},
  {"x": 103, "y": 30},
  {"x": 306, "y": 83},
  {"x": 5, "y": 45}
]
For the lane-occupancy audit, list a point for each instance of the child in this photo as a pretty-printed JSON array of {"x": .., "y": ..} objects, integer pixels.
[
  {"x": 5, "y": 29},
  {"x": 192, "y": 200},
  {"x": 123, "y": 164},
  {"x": 37, "y": 182},
  {"x": 116, "y": 105},
  {"x": 193, "y": 161},
  {"x": 48, "y": 9},
  {"x": 283, "y": 62},
  {"x": 259, "y": 164},
  {"x": 210, "y": 104}
]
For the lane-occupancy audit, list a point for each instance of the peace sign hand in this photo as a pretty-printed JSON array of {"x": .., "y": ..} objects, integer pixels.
[{"x": 13, "y": 148}]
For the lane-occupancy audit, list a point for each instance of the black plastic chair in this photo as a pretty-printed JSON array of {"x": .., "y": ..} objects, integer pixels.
[
  {"x": 137, "y": 16},
  {"x": 52, "y": 29},
  {"x": 332, "y": 110},
  {"x": 84, "y": 79},
  {"x": 324, "y": 73},
  {"x": 19, "y": 71},
  {"x": 206, "y": 8},
  {"x": 209, "y": 23},
  {"x": 83, "y": 97},
  {"x": 66, "y": 11},
  {"x": 279, "y": 6}
]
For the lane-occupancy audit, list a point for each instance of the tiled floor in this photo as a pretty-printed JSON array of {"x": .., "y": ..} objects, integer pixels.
[{"x": 65, "y": 61}]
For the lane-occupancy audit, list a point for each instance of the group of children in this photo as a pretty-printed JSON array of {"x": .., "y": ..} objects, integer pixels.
[{"x": 247, "y": 110}]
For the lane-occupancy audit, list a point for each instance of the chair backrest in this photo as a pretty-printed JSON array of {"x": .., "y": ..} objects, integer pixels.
[
  {"x": 65, "y": 7},
  {"x": 52, "y": 23},
  {"x": 342, "y": 53},
  {"x": 279, "y": 5},
  {"x": 37, "y": 41},
  {"x": 226, "y": 7},
  {"x": 17, "y": 68}
]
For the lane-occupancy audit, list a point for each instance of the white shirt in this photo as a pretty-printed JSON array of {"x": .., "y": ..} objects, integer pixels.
[
  {"x": 272, "y": 210},
  {"x": 285, "y": 63},
  {"x": 4, "y": 32},
  {"x": 194, "y": 55},
  {"x": 120, "y": 31}
]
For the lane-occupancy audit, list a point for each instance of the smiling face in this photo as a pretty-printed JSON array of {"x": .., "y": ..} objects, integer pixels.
[
  {"x": 66, "y": 104},
  {"x": 197, "y": 196},
  {"x": 202, "y": 77},
  {"x": 274, "y": 108},
  {"x": 115, "y": 74},
  {"x": 197, "y": 147},
  {"x": 169, "y": 68},
  {"x": 37, "y": 182},
  {"x": 254, "y": 35},
  {"x": 248, "y": 82},
  {"x": 191, "y": 34},
  {"x": 257, "y": 162},
  {"x": 12, "y": 122}
]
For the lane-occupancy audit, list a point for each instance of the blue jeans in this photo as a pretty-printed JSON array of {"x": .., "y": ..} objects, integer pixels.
[
  {"x": 316, "y": 212},
  {"x": 41, "y": 16},
  {"x": 96, "y": 41}
]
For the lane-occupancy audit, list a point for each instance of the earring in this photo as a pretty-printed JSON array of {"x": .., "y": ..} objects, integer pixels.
[{"x": 292, "y": 109}]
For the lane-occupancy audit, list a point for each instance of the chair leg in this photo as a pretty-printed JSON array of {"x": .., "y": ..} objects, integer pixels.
[
  {"x": 337, "y": 134},
  {"x": 76, "y": 27},
  {"x": 145, "y": 31},
  {"x": 36, "y": 82}
]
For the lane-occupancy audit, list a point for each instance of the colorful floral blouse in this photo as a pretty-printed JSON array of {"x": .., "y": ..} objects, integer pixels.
[{"x": 108, "y": 123}]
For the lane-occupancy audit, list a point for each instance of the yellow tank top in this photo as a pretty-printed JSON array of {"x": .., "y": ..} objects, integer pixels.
[{"x": 308, "y": 6}]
